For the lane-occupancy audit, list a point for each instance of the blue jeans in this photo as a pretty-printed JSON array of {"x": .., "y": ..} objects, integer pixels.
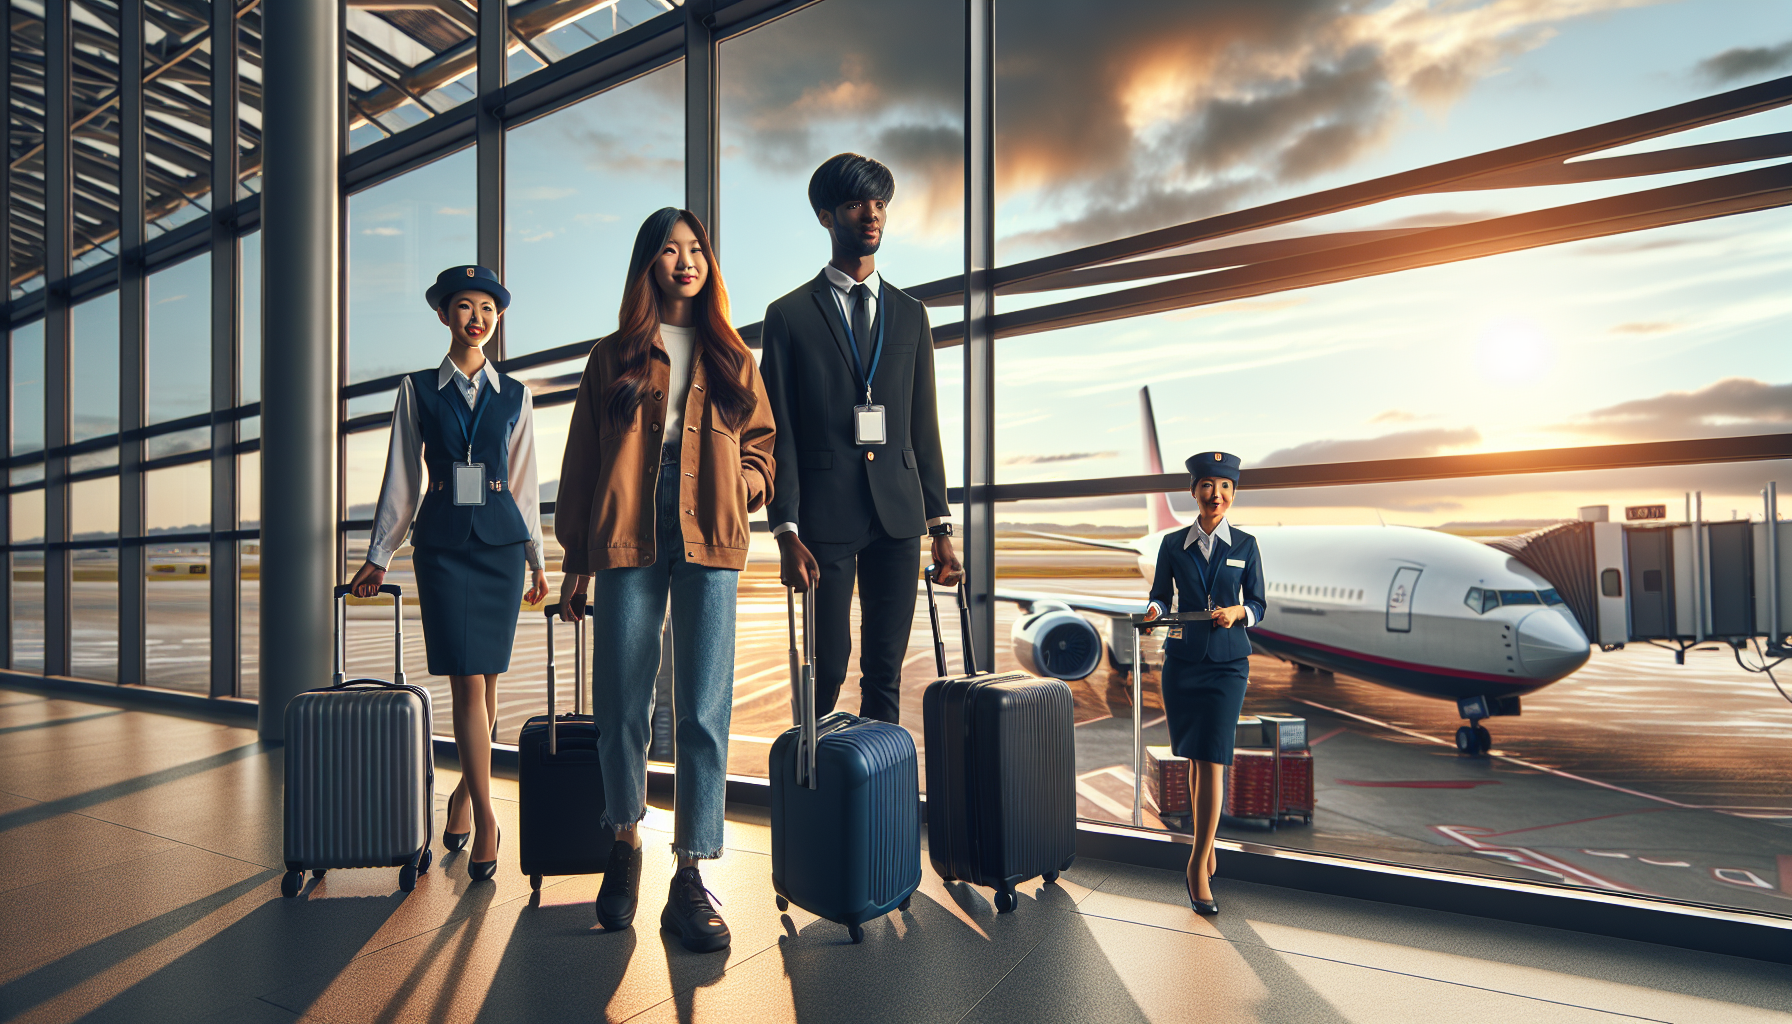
[{"x": 627, "y": 607}]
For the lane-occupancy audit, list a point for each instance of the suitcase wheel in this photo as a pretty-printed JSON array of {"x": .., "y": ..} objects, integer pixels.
[
  {"x": 290, "y": 882},
  {"x": 1005, "y": 902},
  {"x": 1050, "y": 877},
  {"x": 535, "y": 882},
  {"x": 906, "y": 900},
  {"x": 425, "y": 861},
  {"x": 857, "y": 933},
  {"x": 407, "y": 877},
  {"x": 783, "y": 904}
]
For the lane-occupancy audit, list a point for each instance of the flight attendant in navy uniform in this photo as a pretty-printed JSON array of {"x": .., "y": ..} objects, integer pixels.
[
  {"x": 1215, "y": 572},
  {"x": 478, "y": 525}
]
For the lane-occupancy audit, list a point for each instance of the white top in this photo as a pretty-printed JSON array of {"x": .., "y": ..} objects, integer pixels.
[
  {"x": 1203, "y": 541},
  {"x": 402, "y": 490},
  {"x": 680, "y": 343},
  {"x": 843, "y": 286}
]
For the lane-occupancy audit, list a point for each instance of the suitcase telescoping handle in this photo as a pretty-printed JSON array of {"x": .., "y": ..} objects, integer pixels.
[
  {"x": 964, "y": 624},
  {"x": 802, "y": 686},
  {"x": 552, "y": 612},
  {"x": 341, "y": 599}
]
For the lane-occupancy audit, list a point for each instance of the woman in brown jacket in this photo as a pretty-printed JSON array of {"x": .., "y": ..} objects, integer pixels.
[{"x": 669, "y": 451}]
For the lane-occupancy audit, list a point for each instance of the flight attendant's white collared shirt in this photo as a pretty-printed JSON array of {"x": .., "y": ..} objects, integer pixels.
[
  {"x": 1203, "y": 541},
  {"x": 402, "y": 491},
  {"x": 843, "y": 285}
]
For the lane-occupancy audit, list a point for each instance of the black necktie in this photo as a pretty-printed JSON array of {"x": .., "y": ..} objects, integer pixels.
[{"x": 861, "y": 325}]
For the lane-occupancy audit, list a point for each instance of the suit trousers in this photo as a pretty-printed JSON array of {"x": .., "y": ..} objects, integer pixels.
[{"x": 887, "y": 570}]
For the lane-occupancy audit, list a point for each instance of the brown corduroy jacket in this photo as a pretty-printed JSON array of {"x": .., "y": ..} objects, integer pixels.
[{"x": 604, "y": 513}]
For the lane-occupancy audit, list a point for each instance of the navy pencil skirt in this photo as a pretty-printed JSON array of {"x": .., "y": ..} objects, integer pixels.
[
  {"x": 1202, "y": 702},
  {"x": 470, "y": 595}
]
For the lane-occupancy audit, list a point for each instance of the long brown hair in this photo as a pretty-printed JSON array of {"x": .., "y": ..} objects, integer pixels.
[{"x": 719, "y": 345}]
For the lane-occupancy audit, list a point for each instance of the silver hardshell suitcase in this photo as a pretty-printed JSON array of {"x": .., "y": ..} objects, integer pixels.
[{"x": 360, "y": 770}]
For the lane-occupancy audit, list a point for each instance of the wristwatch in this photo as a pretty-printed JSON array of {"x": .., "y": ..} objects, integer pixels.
[{"x": 942, "y": 530}]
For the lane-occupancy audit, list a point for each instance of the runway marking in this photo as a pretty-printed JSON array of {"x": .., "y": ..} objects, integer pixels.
[
  {"x": 1420, "y": 783},
  {"x": 1664, "y": 863},
  {"x": 1607, "y": 853},
  {"x": 1581, "y": 821},
  {"x": 1321, "y": 739},
  {"x": 1520, "y": 855},
  {"x": 1515, "y": 760}
]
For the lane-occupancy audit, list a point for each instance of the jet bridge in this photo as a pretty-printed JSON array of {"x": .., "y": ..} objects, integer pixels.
[{"x": 1672, "y": 584}]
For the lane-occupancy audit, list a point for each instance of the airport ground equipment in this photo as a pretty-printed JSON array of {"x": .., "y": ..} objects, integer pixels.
[
  {"x": 1001, "y": 768},
  {"x": 1271, "y": 778},
  {"x": 560, "y": 782},
  {"x": 360, "y": 770},
  {"x": 846, "y": 805},
  {"x": 1166, "y": 782}
]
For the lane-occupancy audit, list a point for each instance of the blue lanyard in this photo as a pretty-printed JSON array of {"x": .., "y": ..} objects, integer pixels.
[
  {"x": 460, "y": 414},
  {"x": 852, "y": 342}
]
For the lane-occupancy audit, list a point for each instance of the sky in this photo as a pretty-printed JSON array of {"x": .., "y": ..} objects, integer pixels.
[{"x": 1137, "y": 114}]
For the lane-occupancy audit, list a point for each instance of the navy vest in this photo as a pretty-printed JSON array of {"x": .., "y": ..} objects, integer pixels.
[{"x": 445, "y": 418}]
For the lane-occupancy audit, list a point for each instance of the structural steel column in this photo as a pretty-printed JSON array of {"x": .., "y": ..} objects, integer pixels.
[
  {"x": 226, "y": 666},
  {"x": 489, "y": 131},
  {"x": 979, "y": 548},
  {"x": 6, "y": 410},
  {"x": 301, "y": 296},
  {"x": 58, "y": 199},
  {"x": 702, "y": 131},
  {"x": 133, "y": 600}
]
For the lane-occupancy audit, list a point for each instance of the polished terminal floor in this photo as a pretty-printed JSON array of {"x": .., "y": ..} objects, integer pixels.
[{"x": 140, "y": 881}]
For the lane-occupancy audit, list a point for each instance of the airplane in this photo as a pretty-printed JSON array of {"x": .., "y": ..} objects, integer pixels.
[{"x": 1429, "y": 613}]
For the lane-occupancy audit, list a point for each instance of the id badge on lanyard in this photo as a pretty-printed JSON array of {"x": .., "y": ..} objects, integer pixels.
[
  {"x": 868, "y": 419},
  {"x": 868, "y": 423},
  {"x": 469, "y": 482}
]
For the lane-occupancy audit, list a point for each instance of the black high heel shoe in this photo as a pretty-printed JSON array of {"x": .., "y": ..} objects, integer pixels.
[
  {"x": 455, "y": 841},
  {"x": 1208, "y": 907},
  {"x": 482, "y": 870}
]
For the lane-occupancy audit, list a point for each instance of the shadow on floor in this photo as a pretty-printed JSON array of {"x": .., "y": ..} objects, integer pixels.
[
  {"x": 50, "y": 722},
  {"x": 105, "y": 794}
]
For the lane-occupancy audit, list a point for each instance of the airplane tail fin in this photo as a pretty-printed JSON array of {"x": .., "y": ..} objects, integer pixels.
[{"x": 1157, "y": 506}]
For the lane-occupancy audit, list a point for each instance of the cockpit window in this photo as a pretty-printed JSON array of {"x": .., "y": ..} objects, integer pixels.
[
  {"x": 1551, "y": 598},
  {"x": 1520, "y": 597},
  {"x": 1473, "y": 600}
]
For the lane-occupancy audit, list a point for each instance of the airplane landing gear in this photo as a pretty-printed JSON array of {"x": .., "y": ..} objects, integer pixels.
[{"x": 1474, "y": 739}]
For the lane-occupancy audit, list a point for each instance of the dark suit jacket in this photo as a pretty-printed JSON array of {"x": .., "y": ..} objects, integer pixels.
[
  {"x": 1194, "y": 579},
  {"x": 827, "y": 485}
]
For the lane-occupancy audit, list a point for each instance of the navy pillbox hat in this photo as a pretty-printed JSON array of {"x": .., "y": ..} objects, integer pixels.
[
  {"x": 1214, "y": 464},
  {"x": 460, "y": 279}
]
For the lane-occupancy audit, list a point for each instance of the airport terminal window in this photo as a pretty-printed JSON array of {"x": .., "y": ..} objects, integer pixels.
[
  {"x": 27, "y": 581},
  {"x": 178, "y": 121},
  {"x": 437, "y": 65},
  {"x": 843, "y": 75},
  {"x": 249, "y": 326},
  {"x": 578, "y": 184},
  {"x": 27, "y": 350},
  {"x": 401, "y": 234},
  {"x": 178, "y": 356},
  {"x": 177, "y": 619},
  {"x": 94, "y": 386}
]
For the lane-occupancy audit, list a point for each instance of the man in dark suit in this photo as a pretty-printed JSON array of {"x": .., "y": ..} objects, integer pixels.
[{"x": 848, "y": 366}]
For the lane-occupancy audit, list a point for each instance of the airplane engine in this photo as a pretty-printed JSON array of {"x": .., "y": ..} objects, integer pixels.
[{"x": 1053, "y": 641}]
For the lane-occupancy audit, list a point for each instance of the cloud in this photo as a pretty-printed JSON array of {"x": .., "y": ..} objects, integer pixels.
[
  {"x": 1645, "y": 327},
  {"x": 456, "y": 211},
  {"x": 1744, "y": 62},
  {"x": 1034, "y": 460},
  {"x": 1393, "y": 416},
  {"x": 1736, "y": 405},
  {"x": 383, "y": 232},
  {"x": 549, "y": 192},
  {"x": 1401, "y": 445}
]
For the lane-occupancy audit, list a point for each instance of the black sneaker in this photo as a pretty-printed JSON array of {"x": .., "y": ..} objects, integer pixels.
[
  {"x": 690, "y": 915},
  {"x": 621, "y": 890}
]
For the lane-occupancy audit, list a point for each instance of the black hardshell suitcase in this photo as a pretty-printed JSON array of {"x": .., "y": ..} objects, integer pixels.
[
  {"x": 560, "y": 784},
  {"x": 846, "y": 808},
  {"x": 1001, "y": 771}
]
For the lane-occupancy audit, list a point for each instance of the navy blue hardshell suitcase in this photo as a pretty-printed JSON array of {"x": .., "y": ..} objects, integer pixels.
[
  {"x": 560, "y": 784},
  {"x": 846, "y": 823},
  {"x": 1001, "y": 771}
]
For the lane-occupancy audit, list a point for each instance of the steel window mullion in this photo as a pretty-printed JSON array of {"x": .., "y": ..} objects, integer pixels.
[
  {"x": 702, "y": 129},
  {"x": 58, "y": 188},
  {"x": 6, "y": 370},
  {"x": 489, "y": 152},
  {"x": 226, "y": 666},
  {"x": 978, "y": 540},
  {"x": 133, "y": 599}
]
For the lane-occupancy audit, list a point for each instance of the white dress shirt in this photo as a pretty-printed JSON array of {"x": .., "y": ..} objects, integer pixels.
[
  {"x": 1202, "y": 541},
  {"x": 402, "y": 490},
  {"x": 680, "y": 343},
  {"x": 842, "y": 291}
]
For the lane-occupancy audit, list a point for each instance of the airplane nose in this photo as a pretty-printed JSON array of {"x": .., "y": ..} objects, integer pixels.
[{"x": 1550, "y": 644}]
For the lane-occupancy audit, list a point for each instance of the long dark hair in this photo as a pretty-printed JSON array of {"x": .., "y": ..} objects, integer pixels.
[{"x": 719, "y": 345}]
